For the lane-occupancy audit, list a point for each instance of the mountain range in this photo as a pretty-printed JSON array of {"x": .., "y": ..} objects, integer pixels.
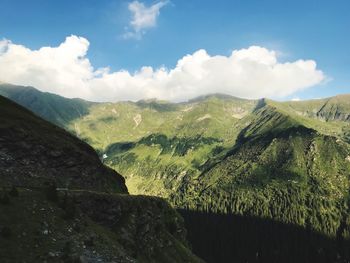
[{"x": 284, "y": 166}]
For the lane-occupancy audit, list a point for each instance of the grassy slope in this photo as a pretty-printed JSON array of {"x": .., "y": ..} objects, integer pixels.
[
  {"x": 143, "y": 140},
  {"x": 51, "y": 107},
  {"x": 330, "y": 116},
  {"x": 150, "y": 142}
]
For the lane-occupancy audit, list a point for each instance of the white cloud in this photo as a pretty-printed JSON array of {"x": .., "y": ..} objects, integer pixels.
[
  {"x": 143, "y": 17},
  {"x": 250, "y": 73}
]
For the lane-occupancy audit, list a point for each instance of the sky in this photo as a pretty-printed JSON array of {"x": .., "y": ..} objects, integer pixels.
[{"x": 176, "y": 49}]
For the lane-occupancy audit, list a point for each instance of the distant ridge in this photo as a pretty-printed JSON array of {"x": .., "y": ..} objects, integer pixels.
[
  {"x": 214, "y": 95},
  {"x": 52, "y": 107}
]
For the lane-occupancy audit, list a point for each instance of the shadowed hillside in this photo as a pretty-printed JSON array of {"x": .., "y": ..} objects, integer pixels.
[
  {"x": 59, "y": 203},
  {"x": 221, "y": 238},
  {"x": 34, "y": 151}
]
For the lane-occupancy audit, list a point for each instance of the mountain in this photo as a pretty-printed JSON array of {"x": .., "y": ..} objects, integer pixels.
[
  {"x": 270, "y": 161},
  {"x": 286, "y": 178},
  {"x": 59, "y": 203},
  {"x": 51, "y": 107},
  {"x": 256, "y": 180},
  {"x": 329, "y": 109},
  {"x": 153, "y": 142},
  {"x": 276, "y": 165}
]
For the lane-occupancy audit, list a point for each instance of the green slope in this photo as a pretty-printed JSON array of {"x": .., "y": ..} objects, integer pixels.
[
  {"x": 281, "y": 170},
  {"x": 280, "y": 194},
  {"x": 157, "y": 145},
  {"x": 330, "y": 116},
  {"x": 329, "y": 109},
  {"x": 51, "y": 107}
]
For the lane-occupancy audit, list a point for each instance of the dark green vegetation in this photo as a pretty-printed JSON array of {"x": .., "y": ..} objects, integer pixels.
[
  {"x": 236, "y": 238},
  {"x": 50, "y": 107},
  {"x": 58, "y": 203},
  {"x": 282, "y": 166},
  {"x": 290, "y": 179}
]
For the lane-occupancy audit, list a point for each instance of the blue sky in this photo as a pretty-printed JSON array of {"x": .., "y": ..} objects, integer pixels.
[{"x": 316, "y": 30}]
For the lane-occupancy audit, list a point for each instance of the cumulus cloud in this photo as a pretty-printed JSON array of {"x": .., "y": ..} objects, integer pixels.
[
  {"x": 253, "y": 72},
  {"x": 143, "y": 18}
]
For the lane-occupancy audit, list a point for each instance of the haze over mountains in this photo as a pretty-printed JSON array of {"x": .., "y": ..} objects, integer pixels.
[{"x": 282, "y": 166}]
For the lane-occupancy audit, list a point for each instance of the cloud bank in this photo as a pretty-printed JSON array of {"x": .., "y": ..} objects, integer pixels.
[
  {"x": 142, "y": 18},
  {"x": 253, "y": 72}
]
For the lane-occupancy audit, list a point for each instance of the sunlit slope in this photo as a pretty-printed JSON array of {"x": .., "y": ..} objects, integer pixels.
[
  {"x": 329, "y": 116},
  {"x": 278, "y": 169},
  {"x": 128, "y": 121},
  {"x": 334, "y": 108},
  {"x": 157, "y": 145}
]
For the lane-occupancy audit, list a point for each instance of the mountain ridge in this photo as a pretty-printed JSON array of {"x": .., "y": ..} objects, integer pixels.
[
  {"x": 52, "y": 107},
  {"x": 194, "y": 99}
]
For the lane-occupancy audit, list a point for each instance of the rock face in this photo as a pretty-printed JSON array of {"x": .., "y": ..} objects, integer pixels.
[{"x": 89, "y": 217}]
